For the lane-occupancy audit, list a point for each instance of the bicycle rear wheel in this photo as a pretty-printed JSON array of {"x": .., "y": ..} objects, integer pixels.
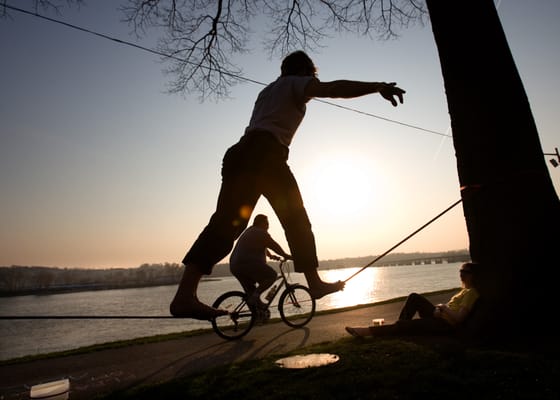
[
  {"x": 239, "y": 320},
  {"x": 296, "y": 306}
]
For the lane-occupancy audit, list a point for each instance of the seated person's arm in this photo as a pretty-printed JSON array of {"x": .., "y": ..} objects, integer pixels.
[{"x": 455, "y": 316}]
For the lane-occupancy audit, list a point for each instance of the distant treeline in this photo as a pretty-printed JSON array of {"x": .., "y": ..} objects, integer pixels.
[
  {"x": 18, "y": 280},
  {"x": 22, "y": 280}
]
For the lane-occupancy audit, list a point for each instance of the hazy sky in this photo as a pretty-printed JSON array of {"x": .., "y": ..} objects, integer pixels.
[{"x": 99, "y": 167}]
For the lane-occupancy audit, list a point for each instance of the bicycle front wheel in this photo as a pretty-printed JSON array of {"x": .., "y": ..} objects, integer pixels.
[
  {"x": 296, "y": 306},
  {"x": 239, "y": 320}
]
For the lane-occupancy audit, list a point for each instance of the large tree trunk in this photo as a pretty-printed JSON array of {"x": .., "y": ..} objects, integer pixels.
[{"x": 511, "y": 209}]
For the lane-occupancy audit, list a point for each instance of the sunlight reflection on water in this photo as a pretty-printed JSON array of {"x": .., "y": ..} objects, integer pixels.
[{"x": 382, "y": 283}]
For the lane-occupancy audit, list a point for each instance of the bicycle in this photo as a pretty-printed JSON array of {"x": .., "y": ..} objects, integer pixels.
[{"x": 295, "y": 305}]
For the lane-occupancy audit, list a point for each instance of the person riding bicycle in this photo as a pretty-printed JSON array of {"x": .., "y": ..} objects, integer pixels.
[{"x": 248, "y": 260}]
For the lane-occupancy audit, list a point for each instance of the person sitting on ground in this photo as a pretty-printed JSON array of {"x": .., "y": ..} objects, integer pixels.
[
  {"x": 433, "y": 319},
  {"x": 248, "y": 260}
]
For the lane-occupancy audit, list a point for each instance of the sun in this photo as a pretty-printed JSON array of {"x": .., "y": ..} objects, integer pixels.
[{"x": 341, "y": 188}]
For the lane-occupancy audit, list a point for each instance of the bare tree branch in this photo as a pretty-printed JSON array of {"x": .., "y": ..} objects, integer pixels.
[
  {"x": 55, "y": 6},
  {"x": 203, "y": 37},
  {"x": 305, "y": 23}
]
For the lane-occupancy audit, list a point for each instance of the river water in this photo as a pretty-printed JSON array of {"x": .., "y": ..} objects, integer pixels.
[{"x": 29, "y": 337}]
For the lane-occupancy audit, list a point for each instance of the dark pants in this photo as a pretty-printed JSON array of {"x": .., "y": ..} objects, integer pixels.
[
  {"x": 255, "y": 166},
  {"x": 416, "y": 303},
  {"x": 249, "y": 274}
]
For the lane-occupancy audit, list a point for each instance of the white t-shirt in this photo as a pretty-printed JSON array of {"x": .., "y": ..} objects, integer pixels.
[{"x": 280, "y": 107}]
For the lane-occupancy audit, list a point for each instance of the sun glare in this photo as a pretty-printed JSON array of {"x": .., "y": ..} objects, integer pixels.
[
  {"x": 356, "y": 291},
  {"x": 341, "y": 188}
]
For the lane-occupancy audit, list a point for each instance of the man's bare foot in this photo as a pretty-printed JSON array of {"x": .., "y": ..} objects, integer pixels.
[
  {"x": 322, "y": 289},
  {"x": 194, "y": 309}
]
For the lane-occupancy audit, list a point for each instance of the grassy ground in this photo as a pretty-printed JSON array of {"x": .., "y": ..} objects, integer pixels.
[{"x": 373, "y": 368}]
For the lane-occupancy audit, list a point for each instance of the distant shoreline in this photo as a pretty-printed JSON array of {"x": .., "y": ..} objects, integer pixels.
[{"x": 41, "y": 281}]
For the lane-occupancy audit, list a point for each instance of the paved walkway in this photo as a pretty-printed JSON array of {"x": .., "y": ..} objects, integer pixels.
[{"x": 107, "y": 370}]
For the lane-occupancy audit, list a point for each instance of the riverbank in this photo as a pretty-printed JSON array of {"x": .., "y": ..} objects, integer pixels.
[{"x": 39, "y": 280}]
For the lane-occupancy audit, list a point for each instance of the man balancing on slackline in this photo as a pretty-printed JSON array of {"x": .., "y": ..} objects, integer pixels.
[{"x": 257, "y": 165}]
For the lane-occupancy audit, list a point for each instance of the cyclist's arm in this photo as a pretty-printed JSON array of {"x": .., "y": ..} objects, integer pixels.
[{"x": 272, "y": 245}]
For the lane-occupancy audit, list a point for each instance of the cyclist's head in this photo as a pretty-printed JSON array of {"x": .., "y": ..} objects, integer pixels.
[{"x": 261, "y": 221}]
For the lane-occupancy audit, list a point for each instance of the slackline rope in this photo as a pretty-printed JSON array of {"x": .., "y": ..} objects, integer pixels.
[{"x": 404, "y": 240}]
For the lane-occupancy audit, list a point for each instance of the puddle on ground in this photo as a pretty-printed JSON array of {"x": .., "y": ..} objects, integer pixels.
[
  {"x": 55, "y": 390},
  {"x": 307, "y": 361}
]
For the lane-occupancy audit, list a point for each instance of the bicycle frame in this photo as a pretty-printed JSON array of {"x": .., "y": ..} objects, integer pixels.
[{"x": 282, "y": 278}]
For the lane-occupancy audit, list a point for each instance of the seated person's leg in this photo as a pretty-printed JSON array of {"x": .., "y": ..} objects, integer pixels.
[{"x": 416, "y": 303}]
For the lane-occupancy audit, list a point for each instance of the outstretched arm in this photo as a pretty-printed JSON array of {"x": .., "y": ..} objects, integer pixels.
[{"x": 350, "y": 89}]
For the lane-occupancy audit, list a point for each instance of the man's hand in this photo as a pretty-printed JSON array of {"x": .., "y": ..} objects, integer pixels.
[{"x": 390, "y": 90}]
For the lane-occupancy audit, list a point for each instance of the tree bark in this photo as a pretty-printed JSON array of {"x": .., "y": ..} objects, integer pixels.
[{"x": 511, "y": 209}]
